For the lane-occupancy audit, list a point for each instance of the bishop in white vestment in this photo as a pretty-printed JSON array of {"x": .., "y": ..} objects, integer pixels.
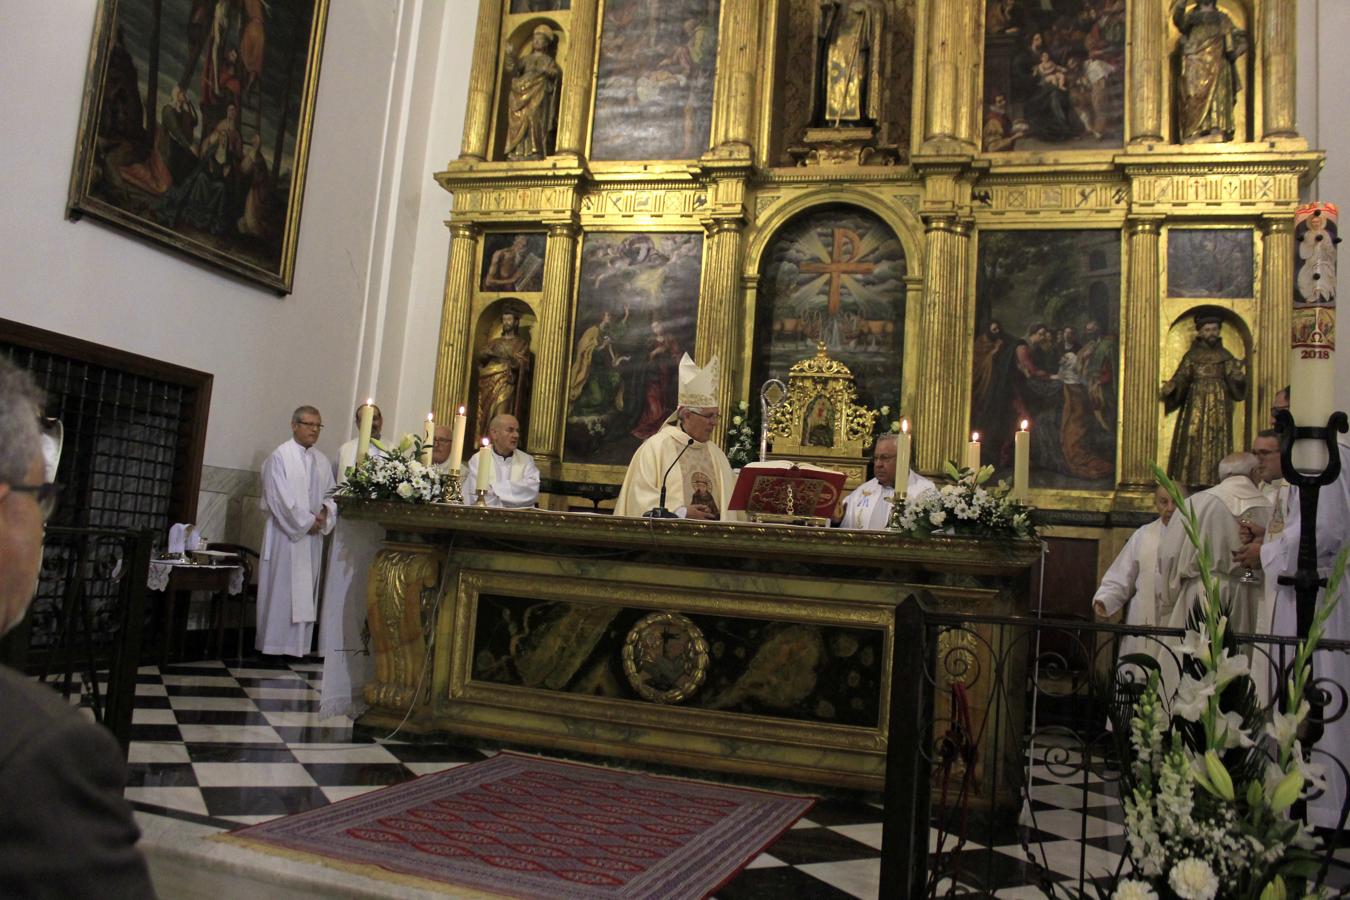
[
  {"x": 699, "y": 485},
  {"x": 868, "y": 507},
  {"x": 296, "y": 482},
  {"x": 1279, "y": 556},
  {"x": 515, "y": 477}
]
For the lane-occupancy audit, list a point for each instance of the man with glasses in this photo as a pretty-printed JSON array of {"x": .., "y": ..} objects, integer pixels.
[
  {"x": 296, "y": 482},
  {"x": 869, "y": 506},
  {"x": 65, "y": 830},
  {"x": 678, "y": 470}
]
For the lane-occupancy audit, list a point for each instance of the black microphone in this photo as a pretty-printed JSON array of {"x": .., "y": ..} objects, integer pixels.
[{"x": 660, "y": 511}]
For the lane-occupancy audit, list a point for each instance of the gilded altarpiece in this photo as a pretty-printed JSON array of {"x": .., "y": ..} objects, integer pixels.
[{"x": 1127, "y": 196}]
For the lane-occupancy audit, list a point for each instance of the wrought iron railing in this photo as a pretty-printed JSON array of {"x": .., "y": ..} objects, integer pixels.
[{"x": 1008, "y": 739}]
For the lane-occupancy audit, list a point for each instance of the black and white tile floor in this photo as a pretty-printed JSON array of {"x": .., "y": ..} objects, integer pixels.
[{"x": 224, "y": 746}]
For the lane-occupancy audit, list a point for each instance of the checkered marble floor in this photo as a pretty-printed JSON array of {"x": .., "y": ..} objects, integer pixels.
[{"x": 225, "y": 746}]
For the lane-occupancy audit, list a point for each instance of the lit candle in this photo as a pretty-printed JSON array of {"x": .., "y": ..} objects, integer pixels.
[
  {"x": 973, "y": 452},
  {"x": 457, "y": 442},
  {"x": 1312, "y": 364},
  {"x": 485, "y": 466},
  {"x": 428, "y": 438},
  {"x": 902, "y": 448},
  {"x": 367, "y": 422},
  {"x": 1021, "y": 463}
]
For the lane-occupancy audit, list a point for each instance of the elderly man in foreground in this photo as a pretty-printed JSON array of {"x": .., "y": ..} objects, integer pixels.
[
  {"x": 869, "y": 506},
  {"x": 515, "y": 477}
]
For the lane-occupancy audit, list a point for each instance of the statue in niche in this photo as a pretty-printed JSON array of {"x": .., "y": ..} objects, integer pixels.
[
  {"x": 1207, "y": 82},
  {"x": 1207, "y": 383},
  {"x": 848, "y": 62},
  {"x": 503, "y": 373},
  {"x": 532, "y": 110}
]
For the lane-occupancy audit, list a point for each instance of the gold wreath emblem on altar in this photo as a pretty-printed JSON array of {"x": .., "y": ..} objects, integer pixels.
[
  {"x": 820, "y": 417},
  {"x": 665, "y": 658}
]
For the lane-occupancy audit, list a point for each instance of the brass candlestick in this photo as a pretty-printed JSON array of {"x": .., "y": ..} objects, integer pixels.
[
  {"x": 453, "y": 494},
  {"x": 482, "y": 498}
]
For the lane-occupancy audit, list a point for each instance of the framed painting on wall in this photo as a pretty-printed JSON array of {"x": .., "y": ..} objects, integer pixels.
[
  {"x": 637, "y": 312},
  {"x": 1211, "y": 263},
  {"x": 1047, "y": 304},
  {"x": 513, "y": 262},
  {"x": 196, "y": 124}
]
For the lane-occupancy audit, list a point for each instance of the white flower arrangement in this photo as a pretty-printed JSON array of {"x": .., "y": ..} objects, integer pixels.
[
  {"x": 394, "y": 473},
  {"x": 969, "y": 505},
  {"x": 742, "y": 437},
  {"x": 1208, "y": 795}
]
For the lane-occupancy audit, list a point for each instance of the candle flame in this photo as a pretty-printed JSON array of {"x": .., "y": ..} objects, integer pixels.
[
  {"x": 904, "y": 425},
  {"x": 370, "y": 401},
  {"x": 1025, "y": 424},
  {"x": 430, "y": 417},
  {"x": 485, "y": 443},
  {"x": 461, "y": 411},
  {"x": 974, "y": 437}
]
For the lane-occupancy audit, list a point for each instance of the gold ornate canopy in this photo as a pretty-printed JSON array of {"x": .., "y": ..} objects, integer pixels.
[{"x": 820, "y": 420}]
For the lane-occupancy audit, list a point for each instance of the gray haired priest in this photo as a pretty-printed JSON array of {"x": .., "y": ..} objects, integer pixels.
[{"x": 678, "y": 472}]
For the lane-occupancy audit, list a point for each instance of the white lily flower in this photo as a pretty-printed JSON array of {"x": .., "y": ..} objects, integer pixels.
[
  {"x": 1193, "y": 697},
  {"x": 1197, "y": 645},
  {"x": 1231, "y": 667}
]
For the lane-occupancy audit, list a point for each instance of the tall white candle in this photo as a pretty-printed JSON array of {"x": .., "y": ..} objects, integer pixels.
[
  {"x": 366, "y": 422},
  {"x": 428, "y": 438},
  {"x": 1021, "y": 463},
  {"x": 485, "y": 466},
  {"x": 1312, "y": 363},
  {"x": 457, "y": 441},
  {"x": 973, "y": 452},
  {"x": 902, "y": 451}
]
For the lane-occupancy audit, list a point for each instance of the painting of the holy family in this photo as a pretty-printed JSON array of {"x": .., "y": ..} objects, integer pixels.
[{"x": 1046, "y": 351}]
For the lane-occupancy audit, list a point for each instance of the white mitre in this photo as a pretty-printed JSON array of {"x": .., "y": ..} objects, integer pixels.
[{"x": 698, "y": 387}]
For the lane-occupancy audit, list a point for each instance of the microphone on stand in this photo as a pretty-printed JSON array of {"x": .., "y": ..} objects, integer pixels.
[{"x": 660, "y": 511}]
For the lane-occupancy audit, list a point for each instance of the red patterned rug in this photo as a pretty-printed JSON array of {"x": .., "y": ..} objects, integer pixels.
[{"x": 522, "y": 826}]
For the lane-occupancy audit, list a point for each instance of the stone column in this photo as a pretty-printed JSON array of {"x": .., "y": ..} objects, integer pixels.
[
  {"x": 737, "y": 64},
  {"x": 452, "y": 348},
  {"x": 719, "y": 318},
  {"x": 1268, "y": 370},
  {"x": 1278, "y": 29},
  {"x": 1140, "y": 351},
  {"x": 952, "y": 91},
  {"x": 575, "y": 103},
  {"x": 482, "y": 79},
  {"x": 1148, "y": 68},
  {"x": 548, "y": 398},
  {"x": 942, "y": 410}
]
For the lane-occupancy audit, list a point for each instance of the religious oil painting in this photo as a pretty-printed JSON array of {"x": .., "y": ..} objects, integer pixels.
[
  {"x": 1047, "y": 304},
  {"x": 529, "y": 6},
  {"x": 1210, "y": 262},
  {"x": 654, "y": 80},
  {"x": 195, "y": 128},
  {"x": 637, "y": 307},
  {"x": 833, "y": 275},
  {"x": 1054, "y": 74},
  {"x": 512, "y": 262}
]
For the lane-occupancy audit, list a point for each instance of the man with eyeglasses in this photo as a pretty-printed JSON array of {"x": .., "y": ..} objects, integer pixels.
[
  {"x": 65, "y": 829},
  {"x": 869, "y": 506},
  {"x": 679, "y": 471},
  {"x": 296, "y": 482}
]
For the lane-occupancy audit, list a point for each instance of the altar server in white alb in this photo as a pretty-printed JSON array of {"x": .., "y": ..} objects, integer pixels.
[
  {"x": 346, "y": 664},
  {"x": 296, "y": 482},
  {"x": 869, "y": 506},
  {"x": 1133, "y": 578},
  {"x": 699, "y": 485},
  {"x": 1279, "y": 556},
  {"x": 515, "y": 477}
]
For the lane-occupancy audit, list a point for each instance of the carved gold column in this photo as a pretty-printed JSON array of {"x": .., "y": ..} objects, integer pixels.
[
  {"x": 941, "y": 413},
  {"x": 1269, "y": 368},
  {"x": 1140, "y": 351},
  {"x": 1148, "y": 34},
  {"x": 575, "y": 102},
  {"x": 549, "y": 394},
  {"x": 737, "y": 62},
  {"x": 450, "y": 387},
  {"x": 482, "y": 79},
  {"x": 952, "y": 92},
  {"x": 401, "y": 578},
  {"x": 719, "y": 332},
  {"x": 1278, "y": 29}
]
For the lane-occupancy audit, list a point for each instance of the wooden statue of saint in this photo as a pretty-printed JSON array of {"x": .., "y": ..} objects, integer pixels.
[
  {"x": 1207, "y": 383},
  {"x": 848, "y": 65},
  {"x": 1207, "y": 81},
  {"x": 532, "y": 107},
  {"x": 504, "y": 374}
]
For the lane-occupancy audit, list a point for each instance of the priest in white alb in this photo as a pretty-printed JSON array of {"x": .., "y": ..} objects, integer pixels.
[
  {"x": 869, "y": 506},
  {"x": 296, "y": 483},
  {"x": 515, "y": 477},
  {"x": 1131, "y": 581},
  {"x": 346, "y": 662},
  {"x": 681, "y": 457}
]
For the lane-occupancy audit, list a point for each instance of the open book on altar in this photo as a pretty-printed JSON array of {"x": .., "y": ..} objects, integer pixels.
[{"x": 785, "y": 489}]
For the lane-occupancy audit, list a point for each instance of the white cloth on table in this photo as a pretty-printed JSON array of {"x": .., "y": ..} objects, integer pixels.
[
  {"x": 868, "y": 507},
  {"x": 346, "y": 665},
  {"x": 1279, "y": 556},
  {"x": 515, "y": 480},
  {"x": 296, "y": 483},
  {"x": 157, "y": 579},
  {"x": 641, "y": 489}
]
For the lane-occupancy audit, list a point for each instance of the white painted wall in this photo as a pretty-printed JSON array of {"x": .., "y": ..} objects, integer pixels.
[{"x": 362, "y": 225}]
